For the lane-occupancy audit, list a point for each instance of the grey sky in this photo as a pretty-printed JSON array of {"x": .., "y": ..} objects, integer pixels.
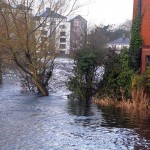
[{"x": 107, "y": 11}]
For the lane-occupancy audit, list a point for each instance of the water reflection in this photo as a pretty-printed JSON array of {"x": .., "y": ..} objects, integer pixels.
[
  {"x": 115, "y": 117},
  {"x": 54, "y": 123},
  {"x": 123, "y": 127},
  {"x": 30, "y": 122},
  {"x": 79, "y": 108},
  {"x": 122, "y": 118}
]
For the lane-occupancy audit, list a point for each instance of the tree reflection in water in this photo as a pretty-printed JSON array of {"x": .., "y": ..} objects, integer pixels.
[
  {"x": 123, "y": 118},
  {"x": 124, "y": 127},
  {"x": 79, "y": 108}
]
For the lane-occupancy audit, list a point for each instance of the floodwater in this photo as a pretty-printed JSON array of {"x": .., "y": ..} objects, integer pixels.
[{"x": 31, "y": 122}]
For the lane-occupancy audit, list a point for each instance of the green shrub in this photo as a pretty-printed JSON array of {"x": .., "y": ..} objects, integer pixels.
[
  {"x": 117, "y": 76},
  {"x": 142, "y": 82},
  {"x": 147, "y": 76},
  {"x": 83, "y": 84},
  {"x": 136, "y": 40},
  {"x": 138, "y": 81}
]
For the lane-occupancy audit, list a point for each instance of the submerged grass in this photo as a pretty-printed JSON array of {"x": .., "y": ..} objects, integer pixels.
[{"x": 139, "y": 101}]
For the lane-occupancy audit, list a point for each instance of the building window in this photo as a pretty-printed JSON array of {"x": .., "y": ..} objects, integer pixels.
[
  {"x": 62, "y": 46},
  {"x": 76, "y": 23},
  {"x": 43, "y": 39},
  {"x": 62, "y": 33},
  {"x": 62, "y": 40},
  {"x": 62, "y": 26},
  {"x": 148, "y": 61},
  {"x": 43, "y": 25},
  {"x": 62, "y": 52},
  {"x": 44, "y": 32}
]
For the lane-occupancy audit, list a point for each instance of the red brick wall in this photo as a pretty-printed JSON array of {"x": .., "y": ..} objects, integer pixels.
[{"x": 145, "y": 29}]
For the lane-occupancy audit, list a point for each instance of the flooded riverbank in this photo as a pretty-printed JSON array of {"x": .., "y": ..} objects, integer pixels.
[{"x": 31, "y": 122}]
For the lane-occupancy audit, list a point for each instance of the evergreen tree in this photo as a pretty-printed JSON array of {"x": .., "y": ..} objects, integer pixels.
[{"x": 136, "y": 40}]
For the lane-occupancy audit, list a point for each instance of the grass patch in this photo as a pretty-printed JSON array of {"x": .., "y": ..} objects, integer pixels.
[{"x": 139, "y": 101}]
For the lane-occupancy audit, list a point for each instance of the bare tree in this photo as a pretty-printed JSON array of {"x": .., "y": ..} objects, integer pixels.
[
  {"x": 126, "y": 25},
  {"x": 98, "y": 37},
  {"x": 23, "y": 39}
]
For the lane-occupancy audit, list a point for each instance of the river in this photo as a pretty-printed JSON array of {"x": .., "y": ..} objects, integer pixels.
[{"x": 32, "y": 122}]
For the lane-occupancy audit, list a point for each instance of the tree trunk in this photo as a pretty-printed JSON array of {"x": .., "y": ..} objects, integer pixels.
[{"x": 41, "y": 87}]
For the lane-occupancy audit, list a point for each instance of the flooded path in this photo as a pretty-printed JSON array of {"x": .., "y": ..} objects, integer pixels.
[{"x": 31, "y": 122}]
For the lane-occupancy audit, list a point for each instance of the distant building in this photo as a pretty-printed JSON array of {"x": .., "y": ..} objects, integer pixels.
[
  {"x": 67, "y": 35},
  {"x": 53, "y": 29},
  {"x": 119, "y": 43},
  {"x": 56, "y": 26},
  {"x": 78, "y": 33},
  {"x": 4, "y": 5},
  {"x": 22, "y": 8}
]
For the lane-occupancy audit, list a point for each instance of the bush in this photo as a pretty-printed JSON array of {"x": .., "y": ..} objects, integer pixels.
[
  {"x": 142, "y": 82},
  {"x": 117, "y": 76},
  {"x": 138, "y": 81},
  {"x": 147, "y": 76},
  {"x": 136, "y": 40},
  {"x": 84, "y": 83}
]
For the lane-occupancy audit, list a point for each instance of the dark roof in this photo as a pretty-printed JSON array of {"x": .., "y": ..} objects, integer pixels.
[
  {"x": 50, "y": 13},
  {"x": 23, "y": 7},
  {"x": 121, "y": 41},
  {"x": 79, "y": 17}
]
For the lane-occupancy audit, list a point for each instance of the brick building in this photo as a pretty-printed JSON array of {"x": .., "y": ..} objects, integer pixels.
[
  {"x": 145, "y": 31},
  {"x": 78, "y": 33},
  {"x": 68, "y": 35}
]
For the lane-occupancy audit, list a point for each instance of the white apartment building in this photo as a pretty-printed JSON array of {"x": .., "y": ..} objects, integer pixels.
[
  {"x": 63, "y": 37},
  {"x": 54, "y": 26}
]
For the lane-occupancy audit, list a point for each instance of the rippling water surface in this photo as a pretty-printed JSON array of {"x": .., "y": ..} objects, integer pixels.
[{"x": 31, "y": 122}]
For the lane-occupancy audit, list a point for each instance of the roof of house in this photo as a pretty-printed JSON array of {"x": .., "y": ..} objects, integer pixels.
[
  {"x": 79, "y": 17},
  {"x": 121, "y": 41},
  {"x": 50, "y": 13}
]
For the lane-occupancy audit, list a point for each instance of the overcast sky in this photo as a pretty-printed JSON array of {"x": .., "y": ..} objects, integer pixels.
[{"x": 107, "y": 11}]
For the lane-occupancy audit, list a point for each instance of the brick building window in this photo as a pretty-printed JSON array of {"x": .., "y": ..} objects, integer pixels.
[
  {"x": 148, "y": 61},
  {"x": 76, "y": 23}
]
